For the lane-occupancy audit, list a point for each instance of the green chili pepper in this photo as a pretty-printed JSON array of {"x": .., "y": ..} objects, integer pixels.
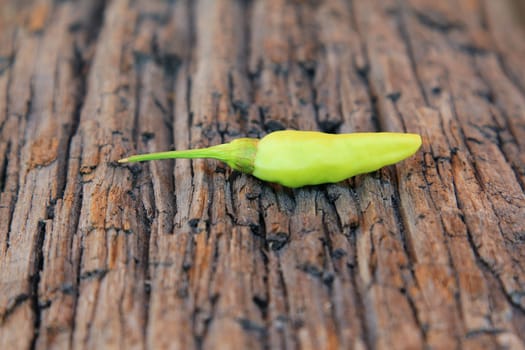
[{"x": 299, "y": 158}]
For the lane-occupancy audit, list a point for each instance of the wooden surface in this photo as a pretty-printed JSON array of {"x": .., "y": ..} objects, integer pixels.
[{"x": 429, "y": 253}]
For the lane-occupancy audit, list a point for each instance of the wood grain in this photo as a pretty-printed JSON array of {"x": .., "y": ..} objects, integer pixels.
[{"x": 428, "y": 253}]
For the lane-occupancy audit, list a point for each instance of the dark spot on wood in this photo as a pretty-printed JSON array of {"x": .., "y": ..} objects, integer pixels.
[
  {"x": 279, "y": 68},
  {"x": 261, "y": 303},
  {"x": 484, "y": 331},
  {"x": 472, "y": 139},
  {"x": 392, "y": 11},
  {"x": 132, "y": 195},
  {"x": 141, "y": 58},
  {"x": 50, "y": 209},
  {"x": 309, "y": 67},
  {"x": 519, "y": 237},
  {"x": 44, "y": 304},
  {"x": 487, "y": 95},
  {"x": 276, "y": 241},
  {"x": 147, "y": 286},
  {"x": 273, "y": 125},
  {"x": 194, "y": 224},
  {"x": 328, "y": 278},
  {"x": 310, "y": 269},
  {"x": 517, "y": 297},
  {"x": 187, "y": 265},
  {"x": 436, "y": 90},
  {"x": 68, "y": 289},
  {"x": 3, "y": 168},
  {"x": 394, "y": 96},
  {"x": 252, "y": 195},
  {"x": 441, "y": 159},
  {"x": 87, "y": 169},
  {"x": 303, "y": 101},
  {"x": 147, "y": 136},
  {"x": 339, "y": 253},
  {"x": 437, "y": 21},
  {"x": 170, "y": 62},
  {"x": 252, "y": 326},
  {"x": 94, "y": 274},
  {"x": 256, "y": 229},
  {"x": 75, "y": 27},
  {"x": 330, "y": 126},
  {"x": 135, "y": 168},
  {"x": 221, "y": 169},
  {"x": 363, "y": 74},
  {"x": 242, "y": 106},
  {"x": 473, "y": 50}
]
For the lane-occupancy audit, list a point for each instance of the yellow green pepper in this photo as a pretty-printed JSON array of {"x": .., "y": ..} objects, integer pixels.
[{"x": 299, "y": 158}]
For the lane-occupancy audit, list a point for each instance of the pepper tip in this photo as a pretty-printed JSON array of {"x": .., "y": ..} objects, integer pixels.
[{"x": 123, "y": 160}]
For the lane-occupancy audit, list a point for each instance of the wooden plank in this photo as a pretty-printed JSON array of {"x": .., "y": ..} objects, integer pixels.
[{"x": 190, "y": 254}]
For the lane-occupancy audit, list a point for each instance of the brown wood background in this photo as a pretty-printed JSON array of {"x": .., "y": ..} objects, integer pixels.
[{"x": 429, "y": 253}]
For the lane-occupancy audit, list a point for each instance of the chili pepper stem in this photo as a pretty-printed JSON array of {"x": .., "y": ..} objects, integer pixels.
[
  {"x": 238, "y": 154},
  {"x": 186, "y": 154}
]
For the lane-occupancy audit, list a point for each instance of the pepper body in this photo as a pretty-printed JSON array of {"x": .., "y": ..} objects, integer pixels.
[{"x": 300, "y": 158}]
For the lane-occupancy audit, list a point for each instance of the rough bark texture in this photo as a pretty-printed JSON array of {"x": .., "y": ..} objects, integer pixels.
[{"x": 188, "y": 254}]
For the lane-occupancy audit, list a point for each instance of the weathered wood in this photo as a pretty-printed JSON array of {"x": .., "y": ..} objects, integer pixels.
[{"x": 190, "y": 254}]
